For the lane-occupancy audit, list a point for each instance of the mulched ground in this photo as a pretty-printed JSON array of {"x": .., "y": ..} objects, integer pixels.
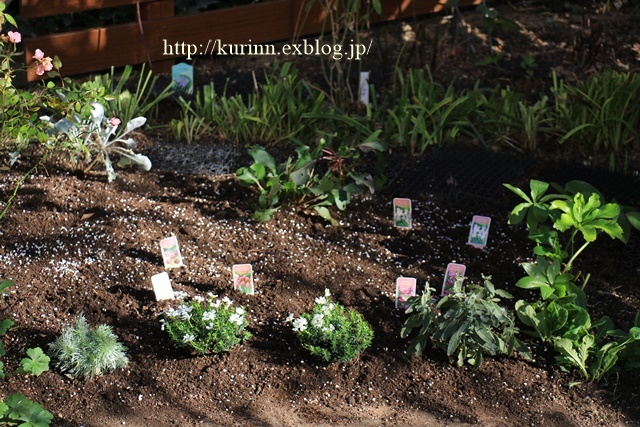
[
  {"x": 73, "y": 243},
  {"x": 81, "y": 245}
]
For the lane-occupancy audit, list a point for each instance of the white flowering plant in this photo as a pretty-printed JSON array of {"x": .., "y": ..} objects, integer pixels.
[
  {"x": 330, "y": 332},
  {"x": 205, "y": 324}
]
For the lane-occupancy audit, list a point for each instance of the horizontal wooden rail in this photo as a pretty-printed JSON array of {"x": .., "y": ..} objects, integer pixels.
[
  {"x": 99, "y": 49},
  {"x": 39, "y": 8}
]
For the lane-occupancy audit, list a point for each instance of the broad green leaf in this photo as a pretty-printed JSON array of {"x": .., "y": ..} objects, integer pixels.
[
  {"x": 577, "y": 359},
  {"x": 260, "y": 155},
  {"x": 259, "y": 171},
  {"x": 31, "y": 413},
  {"x": 538, "y": 188},
  {"x": 576, "y": 186},
  {"x": 529, "y": 282},
  {"x": 634, "y": 219},
  {"x": 546, "y": 291},
  {"x": 36, "y": 363},
  {"x": 518, "y": 213},
  {"x": 372, "y": 145},
  {"x": 324, "y": 213},
  {"x": 519, "y": 192},
  {"x": 454, "y": 341},
  {"x": 340, "y": 198},
  {"x": 5, "y": 325}
]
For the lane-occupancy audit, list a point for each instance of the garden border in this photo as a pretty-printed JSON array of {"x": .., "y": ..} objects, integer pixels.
[{"x": 138, "y": 42}]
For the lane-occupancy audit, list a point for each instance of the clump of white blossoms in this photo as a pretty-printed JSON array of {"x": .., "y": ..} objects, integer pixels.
[
  {"x": 205, "y": 324},
  {"x": 331, "y": 333}
]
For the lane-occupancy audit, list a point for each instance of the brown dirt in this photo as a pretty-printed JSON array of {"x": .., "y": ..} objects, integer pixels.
[{"x": 73, "y": 243}]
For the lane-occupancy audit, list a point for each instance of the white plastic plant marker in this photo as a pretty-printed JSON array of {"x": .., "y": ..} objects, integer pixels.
[
  {"x": 243, "y": 278},
  {"x": 402, "y": 213},
  {"x": 454, "y": 271},
  {"x": 171, "y": 252},
  {"x": 182, "y": 76},
  {"x": 364, "y": 87},
  {"x": 162, "y": 286},
  {"x": 479, "y": 231},
  {"x": 405, "y": 289}
]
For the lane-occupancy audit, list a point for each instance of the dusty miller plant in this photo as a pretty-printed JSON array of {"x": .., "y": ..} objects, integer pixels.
[
  {"x": 96, "y": 138},
  {"x": 85, "y": 352}
]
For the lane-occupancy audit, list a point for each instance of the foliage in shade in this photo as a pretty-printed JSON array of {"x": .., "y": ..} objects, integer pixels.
[
  {"x": 467, "y": 323},
  {"x": 560, "y": 316},
  {"x": 85, "y": 352}
]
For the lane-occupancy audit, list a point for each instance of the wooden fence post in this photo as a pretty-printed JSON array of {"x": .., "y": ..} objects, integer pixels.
[{"x": 156, "y": 10}]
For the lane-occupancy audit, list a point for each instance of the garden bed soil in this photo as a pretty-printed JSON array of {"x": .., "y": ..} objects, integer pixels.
[
  {"x": 77, "y": 244},
  {"x": 73, "y": 243}
]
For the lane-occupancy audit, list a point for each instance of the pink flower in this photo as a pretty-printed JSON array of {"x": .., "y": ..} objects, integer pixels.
[
  {"x": 114, "y": 121},
  {"x": 43, "y": 63},
  {"x": 14, "y": 36}
]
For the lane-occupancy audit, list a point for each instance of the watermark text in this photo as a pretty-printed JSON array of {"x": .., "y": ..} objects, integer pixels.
[{"x": 351, "y": 51}]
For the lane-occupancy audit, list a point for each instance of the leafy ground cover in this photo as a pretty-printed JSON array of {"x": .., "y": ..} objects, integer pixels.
[{"x": 76, "y": 244}]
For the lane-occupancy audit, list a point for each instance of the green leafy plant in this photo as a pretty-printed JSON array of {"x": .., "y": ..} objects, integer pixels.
[
  {"x": 204, "y": 325},
  {"x": 125, "y": 104},
  {"x": 426, "y": 113},
  {"x": 17, "y": 410},
  {"x": 316, "y": 179},
  {"x": 330, "y": 333},
  {"x": 273, "y": 113},
  {"x": 600, "y": 115},
  {"x": 579, "y": 210},
  {"x": 467, "y": 323},
  {"x": 35, "y": 363},
  {"x": 594, "y": 349},
  {"x": 85, "y": 352},
  {"x": 560, "y": 317},
  {"x": 189, "y": 127}
]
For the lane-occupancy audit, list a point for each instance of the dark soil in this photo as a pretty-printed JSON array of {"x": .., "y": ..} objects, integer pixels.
[{"x": 73, "y": 243}]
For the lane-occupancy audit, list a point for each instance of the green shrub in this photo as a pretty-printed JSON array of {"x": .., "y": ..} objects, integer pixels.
[
  {"x": 331, "y": 333},
  {"x": 206, "y": 325},
  {"x": 85, "y": 352},
  {"x": 467, "y": 323}
]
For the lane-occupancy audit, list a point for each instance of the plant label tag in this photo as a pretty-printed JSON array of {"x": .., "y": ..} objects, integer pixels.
[
  {"x": 243, "y": 278},
  {"x": 171, "y": 252},
  {"x": 454, "y": 271},
  {"x": 162, "y": 286},
  {"x": 182, "y": 76},
  {"x": 364, "y": 87},
  {"x": 479, "y": 232},
  {"x": 402, "y": 213},
  {"x": 405, "y": 289}
]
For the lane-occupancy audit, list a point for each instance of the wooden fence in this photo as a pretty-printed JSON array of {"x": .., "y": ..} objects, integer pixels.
[{"x": 146, "y": 39}]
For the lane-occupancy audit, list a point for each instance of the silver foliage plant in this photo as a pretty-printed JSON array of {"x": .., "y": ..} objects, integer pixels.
[
  {"x": 96, "y": 138},
  {"x": 85, "y": 352}
]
